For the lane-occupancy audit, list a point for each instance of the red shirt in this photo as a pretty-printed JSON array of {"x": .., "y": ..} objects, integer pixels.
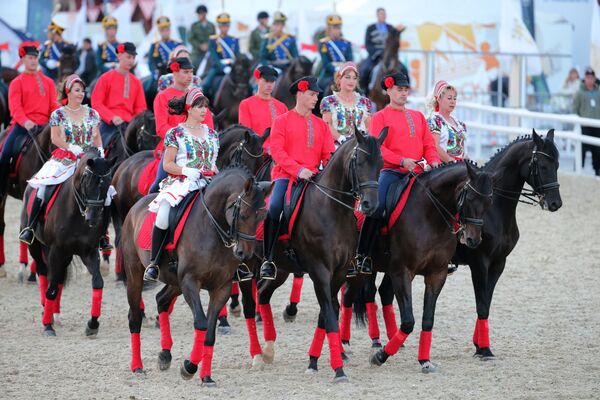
[
  {"x": 32, "y": 97},
  {"x": 111, "y": 96},
  {"x": 166, "y": 121},
  {"x": 400, "y": 143},
  {"x": 258, "y": 114},
  {"x": 293, "y": 147}
]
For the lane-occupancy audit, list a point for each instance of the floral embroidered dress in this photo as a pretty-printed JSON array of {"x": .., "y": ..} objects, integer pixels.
[
  {"x": 343, "y": 117},
  {"x": 62, "y": 164},
  {"x": 167, "y": 80},
  {"x": 452, "y": 140},
  {"x": 192, "y": 152}
]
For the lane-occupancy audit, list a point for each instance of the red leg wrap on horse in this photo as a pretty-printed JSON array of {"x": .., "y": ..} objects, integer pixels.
[
  {"x": 96, "y": 302},
  {"x": 389, "y": 317},
  {"x": 223, "y": 312},
  {"x": 476, "y": 333},
  {"x": 424, "y": 345},
  {"x": 57, "y": 300},
  {"x": 317, "y": 343},
  {"x": 2, "y": 258},
  {"x": 335, "y": 352},
  {"x": 296, "y": 289},
  {"x": 33, "y": 267},
  {"x": 172, "y": 305},
  {"x": 268, "y": 323},
  {"x": 142, "y": 305},
  {"x": 43, "y": 285},
  {"x": 253, "y": 336},
  {"x": 345, "y": 323},
  {"x": 372, "y": 316},
  {"x": 235, "y": 289},
  {"x": 118, "y": 262},
  {"x": 166, "y": 342},
  {"x": 48, "y": 312},
  {"x": 23, "y": 257},
  {"x": 136, "y": 352},
  {"x": 483, "y": 334},
  {"x": 394, "y": 344},
  {"x": 207, "y": 357},
  {"x": 197, "y": 349}
]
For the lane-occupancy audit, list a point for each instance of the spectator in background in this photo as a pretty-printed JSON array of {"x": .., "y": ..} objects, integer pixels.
[
  {"x": 495, "y": 96},
  {"x": 258, "y": 34},
  {"x": 87, "y": 62},
  {"x": 200, "y": 32},
  {"x": 586, "y": 103}
]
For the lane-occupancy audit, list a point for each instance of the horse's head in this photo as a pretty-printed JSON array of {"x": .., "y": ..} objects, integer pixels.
[
  {"x": 364, "y": 164},
  {"x": 240, "y": 146},
  {"x": 68, "y": 60},
  {"x": 92, "y": 180},
  {"x": 299, "y": 67},
  {"x": 145, "y": 131},
  {"x": 540, "y": 171},
  {"x": 474, "y": 198},
  {"x": 244, "y": 210},
  {"x": 240, "y": 76}
]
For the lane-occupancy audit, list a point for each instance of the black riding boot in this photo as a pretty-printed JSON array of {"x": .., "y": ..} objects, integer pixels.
[
  {"x": 366, "y": 241},
  {"x": 268, "y": 270},
  {"x": 243, "y": 273},
  {"x": 4, "y": 171},
  {"x": 105, "y": 243},
  {"x": 158, "y": 241},
  {"x": 28, "y": 233}
]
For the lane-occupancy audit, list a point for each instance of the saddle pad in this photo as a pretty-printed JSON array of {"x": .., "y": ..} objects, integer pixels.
[
  {"x": 294, "y": 196},
  {"x": 177, "y": 218},
  {"x": 20, "y": 145},
  {"x": 147, "y": 176},
  {"x": 395, "y": 214},
  {"x": 50, "y": 198}
]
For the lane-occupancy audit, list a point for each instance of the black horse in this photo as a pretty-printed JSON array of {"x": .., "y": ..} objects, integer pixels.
[
  {"x": 234, "y": 88},
  {"x": 140, "y": 134},
  {"x": 72, "y": 227},
  {"x": 298, "y": 68},
  {"x": 532, "y": 160}
]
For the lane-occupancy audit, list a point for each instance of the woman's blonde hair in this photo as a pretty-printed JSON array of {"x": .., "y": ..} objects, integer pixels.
[{"x": 439, "y": 90}]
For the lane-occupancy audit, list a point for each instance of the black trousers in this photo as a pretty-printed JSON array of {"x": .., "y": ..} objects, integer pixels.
[{"x": 595, "y": 132}]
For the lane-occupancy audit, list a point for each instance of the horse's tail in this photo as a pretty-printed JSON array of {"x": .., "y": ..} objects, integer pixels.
[{"x": 359, "y": 306}]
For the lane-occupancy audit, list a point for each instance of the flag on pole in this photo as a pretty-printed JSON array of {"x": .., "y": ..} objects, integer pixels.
[{"x": 11, "y": 38}]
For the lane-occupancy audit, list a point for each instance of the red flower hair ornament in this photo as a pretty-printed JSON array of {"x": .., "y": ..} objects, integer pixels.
[
  {"x": 121, "y": 48},
  {"x": 389, "y": 82},
  {"x": 257, "y": 74},
  {"x": 175, "y": 67},
  {"x": 303, "y": 85}
]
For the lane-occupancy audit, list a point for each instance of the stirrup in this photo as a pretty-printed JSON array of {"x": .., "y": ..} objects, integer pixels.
[
  {"x": 369, "y": 269},
  {"x": 147, "y": 272},
  {"x": 353, "y": 270},
  {"x": 23, "y": 235},
  {"x": 243, "y": 273},
  {"x": 272, "y": 274}
]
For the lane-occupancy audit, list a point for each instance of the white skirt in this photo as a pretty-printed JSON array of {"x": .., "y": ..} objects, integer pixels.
[
  {"x": 52, "y": 172},
  {"x": 173, "y": 190}
]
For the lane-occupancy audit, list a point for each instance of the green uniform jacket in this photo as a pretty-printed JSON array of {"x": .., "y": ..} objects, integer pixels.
[
  {"x": 586, "y": 103},
  {"x": 256, "y": 38},
  {"x": 199, "y": 33}
]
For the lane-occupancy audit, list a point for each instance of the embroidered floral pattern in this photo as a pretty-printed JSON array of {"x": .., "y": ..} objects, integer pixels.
[
  {"x": 79, "y": 134},
  {"x": 343, "y": 116},
  {"x": 167, "y": 81},
  {"x": 455, "y": 144}
]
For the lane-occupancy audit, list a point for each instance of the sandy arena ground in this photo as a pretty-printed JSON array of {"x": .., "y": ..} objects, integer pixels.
[{"x": 545, "y": 332}]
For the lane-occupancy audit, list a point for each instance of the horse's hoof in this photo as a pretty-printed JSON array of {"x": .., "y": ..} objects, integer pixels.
[
  {"x": 236, "y": 311},
  {"x": 376, "y": 344},
  {"x": 188, "y": 370},
  {"x": 269, "y": 352},
  {"x": 379, "y": 357},
  {"x": 139, "y": 371},
  {"x": 340, "y": 376},
  {"x": 224, "y": 330},
  {"x": 288, "y": 317},
  {"x": 486, "y": 354},
  {"x": 91, "y": 329},
  {"x": 311, "y": 371},
  {"x": 345, "y": 358},
  {"x": 428, "y": 367},
  {"x": 207, "y": 382},
  {"x": 258, "y": 363},
  {"x": 313, "y": 364},
  {"x": 49, "y": 331},
  {"x": 31, "y": 280},
  {"x": 258, "y": 318},
  {"x": 164, "y": 360},
  {"x": 347, "y": 348}
]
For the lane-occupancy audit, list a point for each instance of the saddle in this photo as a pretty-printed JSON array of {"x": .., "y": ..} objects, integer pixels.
[
  {"x": 147, "y": 176},
  {"x": 291, "y": 208},
  {"x": 178, "y": 216},
  {"x": 49, "y": 199},
  {"x": 393, "y": 195},
  {"x": 20, "y": 147}
]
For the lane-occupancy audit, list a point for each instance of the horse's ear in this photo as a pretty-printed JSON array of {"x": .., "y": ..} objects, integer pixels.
[
  {"x": 266, "y": 135},
  {"x": 550, "y": 135},
  {"x": 266, "y": 187},
  {"x": 382, "y": 135},
  {"x": 536, "y": 138},
  {"x": 90, "y": 162},
  {"x": 360, "y": 138},
  {"x": 471, "y": 170},
  {"x": 248, "y": 185},
  {"x": 247, "y": 136}
]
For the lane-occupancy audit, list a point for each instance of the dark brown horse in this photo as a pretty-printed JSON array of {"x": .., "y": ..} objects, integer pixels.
[
  {"x": 67, "y": 63},
  {"x": 32, "y": 159},
  {"x": 298, "y": 68},
  {"x": 444, "y": 204},
  {"x": 234, "y": 88},
  {"x": 389, "y": 63},
  {"x": 6, "y": 77},
  {"x": 532, "y": 160},
  {"x": 73, "y": 227},
  {"x": 140, "y": 134},
  {"x": 225, "y": 217},
  {"x": 315, "y": 248}
]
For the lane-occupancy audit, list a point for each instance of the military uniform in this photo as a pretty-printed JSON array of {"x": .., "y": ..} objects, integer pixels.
[
  {"x": 223, "y": 52},
  {"x": 158, "y": 56},
  {"x": 106, "y": 54},
  {"x": 51, "y": 51},
  {"x": 334, "y": 52},
  {"x": 278, "y": 51},
  {"x": 257, "y": 36},
  {"x": 200, "y": 33}
]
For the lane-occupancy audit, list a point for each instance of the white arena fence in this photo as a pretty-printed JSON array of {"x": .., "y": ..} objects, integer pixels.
[{"x": 490, "y": 128}]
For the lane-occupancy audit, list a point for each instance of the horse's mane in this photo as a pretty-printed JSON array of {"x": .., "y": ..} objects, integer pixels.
[
  {"x": 504, "y": 149},
  {"x": 230, "y": 170},
  {"x": 444, "y": 166},
  {"x": 371, "y": 144}
]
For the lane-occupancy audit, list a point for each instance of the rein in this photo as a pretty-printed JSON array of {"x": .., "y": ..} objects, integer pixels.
[
  {"x": 83, "y": 203},
  {"x": 241, "y": 148},
  {"x": 40, "y": 153},
  {"x": 231, "y": 236}
]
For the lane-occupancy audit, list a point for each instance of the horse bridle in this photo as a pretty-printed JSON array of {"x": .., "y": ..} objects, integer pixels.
[
  {"x": 232, "y": 236},
  {"x": 241, "y": 148},
  {"x": 357, "y": 185},
  {"x": 83, "y": 203},
  {"x": 143, "y": 132}
]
